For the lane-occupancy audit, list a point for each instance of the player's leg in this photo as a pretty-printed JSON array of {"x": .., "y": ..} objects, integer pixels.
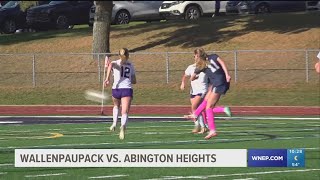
[
  {"x": 196, "y": 128},
  {"x": 222, "y": 109},
  {"x": 212, "y": 101},
  {"x": 127, "y": 95},
  {"x": 196, "y": 102},
  {"x": 199, "y": 109},
  {"x": 115, "y": 111}
]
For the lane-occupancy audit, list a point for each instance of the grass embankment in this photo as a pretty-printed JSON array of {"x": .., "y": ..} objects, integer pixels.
[{"x": 271, "y": 78}]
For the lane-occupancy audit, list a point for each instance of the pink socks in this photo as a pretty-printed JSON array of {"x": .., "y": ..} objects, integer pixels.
[
  {"x": 219, "y": 109},
  {"x": 200, "y": 108},
  {"x": 210, "y": 116}
]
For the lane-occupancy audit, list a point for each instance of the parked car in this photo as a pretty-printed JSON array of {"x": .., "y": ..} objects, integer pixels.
[
  {"x": 313, "y": 5},
  {"x": 59, "y": 15},
  {"x": 259, "y": 7},
  {"x": 12, "y": 17},
  {"x": 125, "y": 11},
  {"x": 189, "y": 9},
  {"x": 2, "y": 3},
  {"x": 232, "y": 7}
]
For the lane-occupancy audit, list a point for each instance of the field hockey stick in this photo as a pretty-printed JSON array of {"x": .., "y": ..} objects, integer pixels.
[{"x": 104, "y": 74}]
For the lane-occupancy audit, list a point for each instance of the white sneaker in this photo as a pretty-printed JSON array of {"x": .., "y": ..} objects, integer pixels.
[
  {"x": 122, "y": 132},
  {"x": 196, "y": 129},
  {"x": 112, "y": 128}
]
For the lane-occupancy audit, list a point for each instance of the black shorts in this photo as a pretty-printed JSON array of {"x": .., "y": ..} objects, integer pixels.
[
  {"x": 200, "y": 94},
  {"x": 221, "y": 89}
]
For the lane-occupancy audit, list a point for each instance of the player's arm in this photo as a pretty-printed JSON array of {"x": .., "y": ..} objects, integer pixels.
[
  {"x": 225, "y": 69},
  {"x": 183, "y": 80},
  {"x": 107, "y": 61},
  {"x": 107, "y": 79}
]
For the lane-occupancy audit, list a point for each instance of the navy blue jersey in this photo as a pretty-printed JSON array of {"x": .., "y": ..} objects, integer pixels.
[{"x": 214, "y": 71}]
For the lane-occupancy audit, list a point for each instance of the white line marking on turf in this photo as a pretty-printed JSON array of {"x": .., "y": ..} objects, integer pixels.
[
  {"x": 310, "y": 148},
  {"x": 10, "y": 122},
  {"x": 169, "y": 117},
  {"x": 246, "y": 179},
  {"x": 44, "y": 175},
  {"x": 6, "y": 164},
  {"x": 1, "y": 173},
  {"x": 149, "y": 142},
  {"x": 236, "y": 174},
  {"x": 103, "y": 177}
]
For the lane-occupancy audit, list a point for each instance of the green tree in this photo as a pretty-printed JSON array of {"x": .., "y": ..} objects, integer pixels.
[
  {"x": 24, "y": 5},
  {"x": 101, "y": 27}
]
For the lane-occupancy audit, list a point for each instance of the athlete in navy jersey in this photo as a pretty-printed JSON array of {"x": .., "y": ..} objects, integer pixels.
[{"x": 216, "y": 70}]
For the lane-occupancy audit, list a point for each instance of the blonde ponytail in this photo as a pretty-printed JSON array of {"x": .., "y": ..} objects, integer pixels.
[
  {"x": 201, "y": 62},
  {"x": 124, "y": 55}
]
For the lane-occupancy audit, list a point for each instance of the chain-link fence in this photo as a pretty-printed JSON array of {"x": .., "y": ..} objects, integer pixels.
[{"x": 59, "y": 69}]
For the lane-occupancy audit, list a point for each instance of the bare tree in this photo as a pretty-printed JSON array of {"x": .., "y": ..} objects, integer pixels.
[{"x": 101, "y": 27}]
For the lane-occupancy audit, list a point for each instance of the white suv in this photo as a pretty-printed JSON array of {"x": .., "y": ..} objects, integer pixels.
[{"x": 189, "y": 9}]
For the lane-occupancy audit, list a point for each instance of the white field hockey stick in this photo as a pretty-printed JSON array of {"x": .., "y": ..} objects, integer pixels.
[{"x": 104, "y": 74}]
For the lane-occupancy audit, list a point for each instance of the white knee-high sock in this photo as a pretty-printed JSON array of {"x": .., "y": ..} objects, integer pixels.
[
  {"x": 200, "y": 119},
  {"x": 115, "y": 113},
  {"x": 124, "y": 119},
  {"x": 196, "y": 123}
]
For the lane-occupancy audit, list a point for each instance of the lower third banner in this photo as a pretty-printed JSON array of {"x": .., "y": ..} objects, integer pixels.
[{"x": 130, "y": 158}]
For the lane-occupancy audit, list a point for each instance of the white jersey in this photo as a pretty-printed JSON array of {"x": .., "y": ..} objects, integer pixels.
[
  {"x": 199, "y": 85},
  {"x": 122, "y": 74}
]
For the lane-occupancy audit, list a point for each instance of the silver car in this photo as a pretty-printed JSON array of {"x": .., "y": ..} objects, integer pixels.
[{"x": 125, "y": 11}]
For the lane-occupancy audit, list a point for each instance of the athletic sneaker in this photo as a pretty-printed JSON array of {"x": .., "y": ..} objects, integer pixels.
[
  {"x": 227, "y": 111},
  {"x": 112, "y": 128},
  {"x": 191, "y": 117},
  {"x": 211, "y": 134},
  {"x": 196, "y": 129},
  {"x": 122, "y": 132},
  {"x": 203, "y": 130}
]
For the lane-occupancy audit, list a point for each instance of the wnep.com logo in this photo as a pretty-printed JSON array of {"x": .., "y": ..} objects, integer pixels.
[{"x": 276, "y": 158}]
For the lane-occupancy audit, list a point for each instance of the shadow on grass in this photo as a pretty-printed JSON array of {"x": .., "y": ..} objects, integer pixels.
[
  {"x": 209, "y": 30},
  {"x": 190, "y": 33},
  {"x": 8, "y": 39}
]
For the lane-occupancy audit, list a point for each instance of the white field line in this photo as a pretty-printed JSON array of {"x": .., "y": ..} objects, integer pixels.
[
  {"x": 164, "y": 105},
  {"x": 1, "y": 173},
  {"x": 11, "y": 133},
  {"x": 190, "y": 125},
  {"x": 170, "y": 117},
  {"x": 98, "y": 133},
  {"x": 102, "y": 133},
  {"x": 11, "y": 122},
  {"x": 105, "y": 177},
  {"x": 44, "y": 175},
  {"x": 236, "y": 174},
  {"x": 28, "y": 131},
  {"x": 151, "y": 133},
  {"x": 6, "y": 165},
  {"x": 150, "y": 142},
  {"x": 310, "y": 148},
  {"x": 246, "y": 179},
  {"x": 85, "y": 110},
  {"x": 137, "y": 142}
]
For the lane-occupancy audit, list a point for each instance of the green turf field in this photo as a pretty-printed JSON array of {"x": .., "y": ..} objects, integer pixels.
[{"x": 233, "y": 134}]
